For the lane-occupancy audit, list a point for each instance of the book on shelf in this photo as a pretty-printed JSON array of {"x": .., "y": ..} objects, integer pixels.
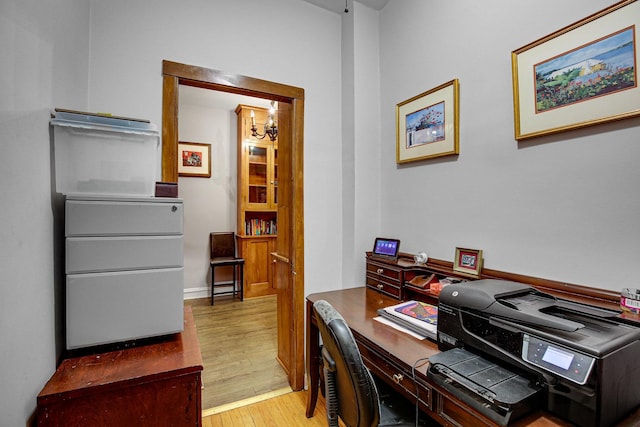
[
  {"x": 260, "y": 227},
  {"x": 417, "y": 316}
]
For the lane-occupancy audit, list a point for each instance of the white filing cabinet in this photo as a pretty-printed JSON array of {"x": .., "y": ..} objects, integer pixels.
[{"x": 124, "y": 266}]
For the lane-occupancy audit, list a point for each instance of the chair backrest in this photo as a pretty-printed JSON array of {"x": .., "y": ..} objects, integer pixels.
[
  {"x": 357, "y": 397},
  {"x": 223, "y": 245}
]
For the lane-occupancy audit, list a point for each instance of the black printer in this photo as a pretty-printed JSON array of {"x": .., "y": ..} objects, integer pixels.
[{"x": 583, "y": 359}]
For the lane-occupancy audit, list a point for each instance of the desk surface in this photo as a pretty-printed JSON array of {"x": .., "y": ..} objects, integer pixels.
[{"x": 359, "y": 306}]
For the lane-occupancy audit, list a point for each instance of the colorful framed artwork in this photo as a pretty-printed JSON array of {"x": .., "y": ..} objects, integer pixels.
[
  {"x": 582, "y": 75},
  {"x": 194, "y": 159},
  {"x": 427, "y": 124},
  {"x": 468, "y": 261}
]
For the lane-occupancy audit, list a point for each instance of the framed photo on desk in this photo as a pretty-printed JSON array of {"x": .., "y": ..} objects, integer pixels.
[{"x": 468, "y": 261}]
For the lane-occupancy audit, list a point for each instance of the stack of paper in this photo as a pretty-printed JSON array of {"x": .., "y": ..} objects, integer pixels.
[{"x": 417, "y": 316}]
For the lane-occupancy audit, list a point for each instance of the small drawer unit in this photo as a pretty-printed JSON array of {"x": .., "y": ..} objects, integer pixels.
[
  {"x": 124, "y": 269},
  {"x": 384, "y": 277}
]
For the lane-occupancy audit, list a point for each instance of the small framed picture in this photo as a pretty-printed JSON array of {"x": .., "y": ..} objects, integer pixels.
[
  {"x": 468, "y": 261},
  {"x": 427, "y": 124},
  {"x": 194, "y": 159}
]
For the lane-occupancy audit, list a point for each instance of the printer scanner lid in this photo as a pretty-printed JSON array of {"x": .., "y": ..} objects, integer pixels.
[
  {"x": 509, "y": 300},
  {"x": 591, "y": 329}
]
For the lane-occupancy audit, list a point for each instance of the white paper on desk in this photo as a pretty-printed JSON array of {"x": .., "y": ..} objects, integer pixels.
[{"x": 398, "y": 327}]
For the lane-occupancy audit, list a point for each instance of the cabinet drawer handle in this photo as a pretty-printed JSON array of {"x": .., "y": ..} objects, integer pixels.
[
  {"x": 174, "y": 208},
  {"x": 380, "y": 271},
  {"x": 397, "y": 378},
  {"x": 380, "y": 286}
]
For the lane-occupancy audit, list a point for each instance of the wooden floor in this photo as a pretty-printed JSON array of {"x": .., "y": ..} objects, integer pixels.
[
  {"x": 285, "y": 410},
  {"x": 238, "y": 342},
  {"x": 244, "y": 385}
]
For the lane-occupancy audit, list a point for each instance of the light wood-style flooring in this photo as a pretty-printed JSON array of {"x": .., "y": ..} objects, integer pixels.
[
  {"x": 244, "y": 384},
  {"x": 285, "y": 410},
  {"x": 238, "y": 342}
]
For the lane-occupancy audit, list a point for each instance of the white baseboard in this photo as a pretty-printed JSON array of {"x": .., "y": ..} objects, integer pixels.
[
  {"x": 193, "y": 293},
  {"x": 202, "y": 291}
]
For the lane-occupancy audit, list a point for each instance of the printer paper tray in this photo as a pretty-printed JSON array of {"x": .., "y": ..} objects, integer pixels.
[{"x": 492, "y": 390}]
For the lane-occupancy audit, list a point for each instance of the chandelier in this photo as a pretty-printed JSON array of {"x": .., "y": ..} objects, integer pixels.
[{"x": 270, "y": 127}]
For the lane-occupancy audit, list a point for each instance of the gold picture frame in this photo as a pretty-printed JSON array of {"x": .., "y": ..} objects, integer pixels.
[
  {"x": 468, "y": 261},
  {"x": 427, "y": 125},
  {"x": 582, "y": 75},
  {"x": 194, "y": 159}
]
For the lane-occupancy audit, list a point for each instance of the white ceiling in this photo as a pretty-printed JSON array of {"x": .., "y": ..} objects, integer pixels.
[{"x": 338, "y": 6}]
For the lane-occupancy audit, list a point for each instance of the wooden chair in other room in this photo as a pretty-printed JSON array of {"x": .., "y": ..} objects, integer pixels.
[{"x": 223, "y": 253}]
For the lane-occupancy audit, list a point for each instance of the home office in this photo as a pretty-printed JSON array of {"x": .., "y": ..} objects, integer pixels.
[{"x": 563, "y": 206}]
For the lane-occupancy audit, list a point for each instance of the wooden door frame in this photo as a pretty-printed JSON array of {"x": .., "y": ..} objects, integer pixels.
[{"x": 173, "y": 75}]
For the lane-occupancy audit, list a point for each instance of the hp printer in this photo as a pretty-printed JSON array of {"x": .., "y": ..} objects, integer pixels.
[{"x": 575, "y": 360}]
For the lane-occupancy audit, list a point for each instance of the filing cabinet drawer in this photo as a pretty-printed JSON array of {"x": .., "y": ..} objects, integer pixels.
[
  {"x": 141, "y": 216},
  {"x": 96, "y": 254},
  {"x": 118, "y": 306}
]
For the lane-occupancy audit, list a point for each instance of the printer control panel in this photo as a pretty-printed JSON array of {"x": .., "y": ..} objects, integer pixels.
[{"x": 561, "y": 361}]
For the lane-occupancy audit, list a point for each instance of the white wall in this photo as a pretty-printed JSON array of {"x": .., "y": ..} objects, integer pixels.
[
  {"x": 347, "y": 169},
  {"x": 210, "y": 203},
  {"x": 44, "y": 51},
  {"x": 564, "y": 207},
  {"x": 367, "y": 141},
  {"x": 360, "y": 139}
]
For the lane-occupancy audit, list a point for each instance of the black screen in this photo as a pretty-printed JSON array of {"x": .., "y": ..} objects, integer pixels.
[{"x": 386, "y": 247}]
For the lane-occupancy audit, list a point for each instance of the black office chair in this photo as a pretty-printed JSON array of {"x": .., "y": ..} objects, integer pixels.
[
  {"x": 223, "y": 253},
  {"x": 350, "y": 390}
]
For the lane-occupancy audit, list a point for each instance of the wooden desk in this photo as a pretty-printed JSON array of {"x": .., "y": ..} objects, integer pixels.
[
  {"x": 391, "y": 354},
  {"x": 157, "y": 384}
]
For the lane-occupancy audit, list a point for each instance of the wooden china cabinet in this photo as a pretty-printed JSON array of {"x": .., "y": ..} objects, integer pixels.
[{"x": 257, "y": 202}]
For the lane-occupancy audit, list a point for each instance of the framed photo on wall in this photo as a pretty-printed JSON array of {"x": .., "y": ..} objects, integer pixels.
[
  {"x": 427, "y": 124},
  {"x": 468, "y": 261},
  {"x": 194, "y": 159},
  {"x": 582, "y": 75}
]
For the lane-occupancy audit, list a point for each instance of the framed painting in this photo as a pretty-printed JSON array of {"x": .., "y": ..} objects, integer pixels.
[
  {"x": 194, "y": 159},
  {"x": 468, "y": 261},
  {"x": 582, "y": 75},
  {"x": 427, "y": 124}
]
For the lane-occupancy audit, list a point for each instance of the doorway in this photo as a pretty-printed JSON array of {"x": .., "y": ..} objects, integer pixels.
[{"x": 289, "y": 255}]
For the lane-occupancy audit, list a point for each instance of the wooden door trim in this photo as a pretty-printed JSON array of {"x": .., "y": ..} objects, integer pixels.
[
  {"x": 297, "y": 218},
  {"x": 213, "y": 79},
  {"x": 174, "y": 74}
]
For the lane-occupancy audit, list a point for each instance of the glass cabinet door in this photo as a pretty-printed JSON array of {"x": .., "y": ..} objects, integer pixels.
[
  {"x": 275, "y": 176},
  {"x": 258, "y": 176}
]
